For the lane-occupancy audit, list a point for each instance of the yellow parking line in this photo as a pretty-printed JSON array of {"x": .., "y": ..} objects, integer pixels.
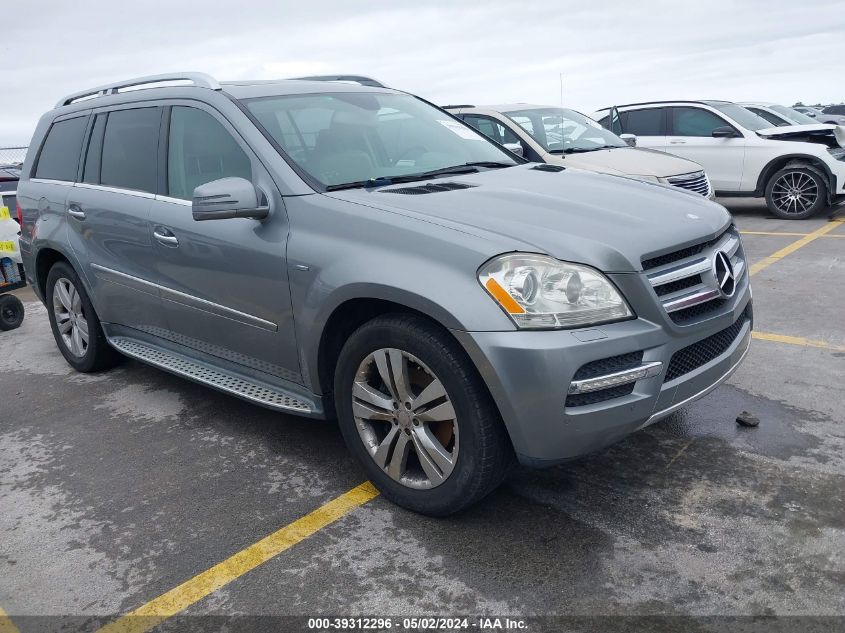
[
  {"x": 786, "y": 250},
  {"x": 783, "y": 233},
  {"x": 205, "y": 583},
  {"x": 6, "y": 624},
  {"x": 796, "y": 340}
]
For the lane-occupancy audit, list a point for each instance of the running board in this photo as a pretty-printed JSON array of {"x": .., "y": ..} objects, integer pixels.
[{"x": 241, "y": 386}]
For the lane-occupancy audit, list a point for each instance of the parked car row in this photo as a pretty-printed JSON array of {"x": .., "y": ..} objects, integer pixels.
[
  {"x": 355, "y": 252},
  {"x": 799, "y": 168},
  {"x": 834, "y": 114}
]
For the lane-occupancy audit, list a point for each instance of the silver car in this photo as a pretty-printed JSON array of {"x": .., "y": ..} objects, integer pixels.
[{"x": 335, "y": 250}]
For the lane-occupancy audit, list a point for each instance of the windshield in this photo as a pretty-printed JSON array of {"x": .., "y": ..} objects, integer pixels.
[
  {"x": 743, "y": 117},
  {"x": 560, "y": 130},
  {"x": 793, "y": 115},
  {"x": 350, "y": 137}
]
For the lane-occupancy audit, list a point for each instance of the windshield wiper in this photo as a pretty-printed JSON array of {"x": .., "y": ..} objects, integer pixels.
[
  {"x": 381, "y": 181},
  {"x": 581, "y": 150}
]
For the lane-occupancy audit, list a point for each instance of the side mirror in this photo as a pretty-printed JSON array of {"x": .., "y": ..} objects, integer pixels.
[
  {"x": 811, "y": 114},
  {"x": 726, "y": 131},
  {"x": 515, "y": 148},
  {"x": 630, "y": 139},
  {"x": 228, "y": 198}
]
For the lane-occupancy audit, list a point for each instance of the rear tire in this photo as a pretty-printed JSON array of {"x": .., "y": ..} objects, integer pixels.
[
  {"x": 796, "y": 192},
  {"x": 74, "y": 322},
  {"x": 11, "y": 312},
  {"x": 434, "y": 446}
]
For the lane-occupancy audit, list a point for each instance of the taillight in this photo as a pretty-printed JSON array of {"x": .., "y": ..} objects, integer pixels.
[{"x": 19, "y": 211}]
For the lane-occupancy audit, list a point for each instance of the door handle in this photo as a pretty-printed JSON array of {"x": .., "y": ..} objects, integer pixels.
[
  {"x": 75, "y": 211},
  {"x": 165, "y": 237},
  {"x": 677, "y": 141}
]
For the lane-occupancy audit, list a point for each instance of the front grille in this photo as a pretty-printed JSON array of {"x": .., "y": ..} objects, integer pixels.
[
  {"x": 693, "y": 313},
  {"x": 675, "y": 286},
  {"x": 676, "y": 256},
  {"x": 685, "y": 281},
  {"x": 609, "y": 365},
  {"x": 694, "y": 356},
  {"x": 696, "y": 182},
  {"x": 593, "y": 397},
  {"x": 429, "y": 188}
]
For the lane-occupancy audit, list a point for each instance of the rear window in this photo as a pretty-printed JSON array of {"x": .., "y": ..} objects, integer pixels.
[
  {"x": 130, "y": 149},
  {"x": 59, "y": 158}
]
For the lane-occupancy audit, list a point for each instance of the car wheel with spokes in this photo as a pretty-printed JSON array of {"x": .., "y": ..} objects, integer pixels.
[
  {"x": 74, "y": 322},
  {"x": 796, "y": 193},
  {"x": 415, "y": 413}
]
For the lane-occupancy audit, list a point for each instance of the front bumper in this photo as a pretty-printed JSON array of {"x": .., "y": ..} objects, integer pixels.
[{"x": 529, "y": 376}]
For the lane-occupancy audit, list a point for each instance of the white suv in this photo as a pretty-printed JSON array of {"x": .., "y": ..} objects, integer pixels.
[{"x": 800, "y": 169}]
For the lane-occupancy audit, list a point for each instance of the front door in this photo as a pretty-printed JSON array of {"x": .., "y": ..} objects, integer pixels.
[
  {"x": 224, "y": 283},
  {"x": 691, "y": 136}
]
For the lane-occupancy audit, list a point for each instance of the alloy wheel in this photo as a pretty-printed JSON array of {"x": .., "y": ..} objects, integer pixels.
[
  {"x": 795, "y": 192},
  {"x": 70, "y": 320},
  {"x": 405, "y": 418}
]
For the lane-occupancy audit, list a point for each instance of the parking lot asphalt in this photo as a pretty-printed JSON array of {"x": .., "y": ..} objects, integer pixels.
[{"x": 118, "y": 487}]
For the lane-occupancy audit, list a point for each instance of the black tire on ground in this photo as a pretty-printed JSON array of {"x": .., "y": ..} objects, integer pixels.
[
  {"x": 796, "y": 192},
  {"x": 485, "y": 453},
  {"x": 99, "y": 355},
  {"x": 11, "y": 312}
]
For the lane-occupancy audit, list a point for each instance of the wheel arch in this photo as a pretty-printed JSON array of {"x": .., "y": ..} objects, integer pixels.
[
  {"x": 780, "y": 162},
  {"x": 44, "y": 261},
  {"x": 346, "y": 317}
]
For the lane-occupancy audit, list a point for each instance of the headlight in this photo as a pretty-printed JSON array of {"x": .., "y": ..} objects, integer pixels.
[{"x": 540, "y": 292}]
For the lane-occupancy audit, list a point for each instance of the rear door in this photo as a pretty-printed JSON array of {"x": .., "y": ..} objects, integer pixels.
[
  {"x": 224, "y": 282},
  {"x": 108, "y": 212},
  {"x": 691, "y": 136}
]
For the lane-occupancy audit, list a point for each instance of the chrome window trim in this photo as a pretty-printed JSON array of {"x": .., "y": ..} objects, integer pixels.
[
  {"x": 183, "y": 202},
  {"x": 109, "y": 189},
  {"x": 50, "y": 181},
  {"x": 168, "y": 294},
  {"x": 8, "y": 193}
]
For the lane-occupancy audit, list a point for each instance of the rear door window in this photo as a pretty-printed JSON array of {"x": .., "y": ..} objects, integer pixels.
[
  {"x": 59, "y": 158},
  {"x": 130, "y": 149},
  {"x": 644, "y": 122}
]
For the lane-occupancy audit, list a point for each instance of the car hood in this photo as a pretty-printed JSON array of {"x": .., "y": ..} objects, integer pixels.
[
  {"x": 834, "y": 133},
  {"x": 628, "y": 161},
  {"x": 604, "y": 221}
]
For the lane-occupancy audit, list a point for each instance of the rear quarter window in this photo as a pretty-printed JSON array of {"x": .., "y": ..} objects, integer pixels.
[{"x": 59, "y": 157}]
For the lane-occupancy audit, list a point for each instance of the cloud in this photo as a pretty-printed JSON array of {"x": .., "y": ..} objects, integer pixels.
[{"x": 492, "y": 52}]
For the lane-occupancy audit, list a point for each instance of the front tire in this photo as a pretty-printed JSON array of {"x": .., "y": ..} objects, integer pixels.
[
  {"x": 416, "y": 415},
  {"x": 796, "y": 192},
  {"x": 74, "y": 322}
]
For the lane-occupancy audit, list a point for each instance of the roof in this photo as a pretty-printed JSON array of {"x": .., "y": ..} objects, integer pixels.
[
  {"x": 709, "y": 102},
  {"x": 503, "y": 107},
  {"x": 175, "y": 83}
]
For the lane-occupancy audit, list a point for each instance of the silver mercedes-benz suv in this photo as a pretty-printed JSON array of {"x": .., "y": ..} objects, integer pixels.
[{"x": 327, "y": 249}]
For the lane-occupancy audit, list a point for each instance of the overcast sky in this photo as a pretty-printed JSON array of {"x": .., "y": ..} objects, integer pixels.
[{"x": 481, "y": 52}]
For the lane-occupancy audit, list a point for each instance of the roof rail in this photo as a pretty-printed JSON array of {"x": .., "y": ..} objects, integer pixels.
[
  {"x": 201, "y": 80},
  {"x": 359, "y": 79},
  {"x": 460, "y": 105}
]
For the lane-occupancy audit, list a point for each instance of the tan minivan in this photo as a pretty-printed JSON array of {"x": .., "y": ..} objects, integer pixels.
[{"x": 560, "y": 136}]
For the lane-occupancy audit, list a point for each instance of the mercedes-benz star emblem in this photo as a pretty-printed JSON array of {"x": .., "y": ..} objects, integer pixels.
[{"x": 724, "y": 273}]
